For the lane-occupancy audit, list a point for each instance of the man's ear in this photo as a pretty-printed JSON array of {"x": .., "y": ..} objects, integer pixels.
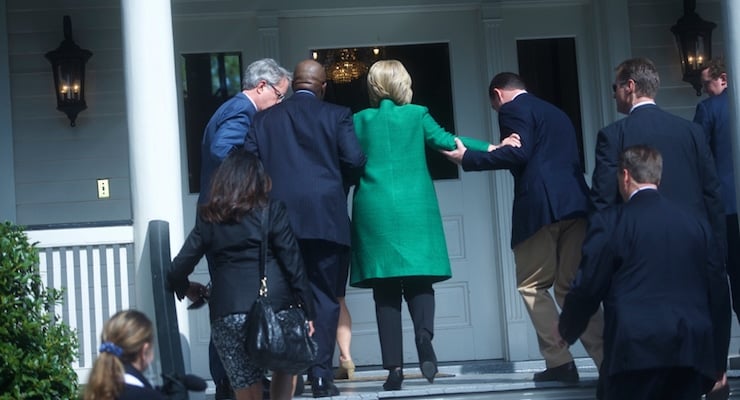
[
  {"x": 624, "y": 178},
  {"x": 631, "y": 86},
  {"x": 723, "y": 78}
]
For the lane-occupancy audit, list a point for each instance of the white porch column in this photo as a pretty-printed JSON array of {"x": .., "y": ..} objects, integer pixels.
[
  {"x": 154, "y": 138},
  {"x": 7, "y": 171},
  {"x": 611, "y": 26},
  {"x": 517, "y": 321},
  {"x": 731, "y": 11}
]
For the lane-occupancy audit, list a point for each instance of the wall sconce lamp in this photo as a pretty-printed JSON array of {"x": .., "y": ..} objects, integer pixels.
[
  {"x": 694, "y": 41},
  {"x": 68, "y": 65}
]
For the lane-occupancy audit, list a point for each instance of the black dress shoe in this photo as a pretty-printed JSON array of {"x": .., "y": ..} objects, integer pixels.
[
  {"x": 723, "y": 393},
  {"x": 322, "y": 387},
  {"x": 300, "y": 385},
  {"x": 266, "y": 387},
  {"x": 223, "y": 390},
  {"x": 427, "y": 359},
  {"x": 395, "y": 379},
  {"x": 567, "y": 373}
]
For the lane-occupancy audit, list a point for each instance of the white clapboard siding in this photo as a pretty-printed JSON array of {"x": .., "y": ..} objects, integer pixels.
[{"x": 94, "y": 267}]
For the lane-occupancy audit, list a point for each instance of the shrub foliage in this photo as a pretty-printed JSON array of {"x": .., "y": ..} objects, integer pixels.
[{"x": 36, "y": 349}]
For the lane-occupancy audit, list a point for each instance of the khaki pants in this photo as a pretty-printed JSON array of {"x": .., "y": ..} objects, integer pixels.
[{"x": 551, "y": 258}]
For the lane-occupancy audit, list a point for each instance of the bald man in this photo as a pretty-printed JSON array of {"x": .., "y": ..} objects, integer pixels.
[{"x": 310, "y": 149}]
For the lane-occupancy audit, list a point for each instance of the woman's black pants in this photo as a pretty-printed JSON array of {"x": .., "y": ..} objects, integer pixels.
[{"x": 419, "y": 296}]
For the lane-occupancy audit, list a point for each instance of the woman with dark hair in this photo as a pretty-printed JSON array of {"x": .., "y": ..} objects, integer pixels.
[
  {"x": 228, "y": 232},
  {"x": 126, "y": 350}
]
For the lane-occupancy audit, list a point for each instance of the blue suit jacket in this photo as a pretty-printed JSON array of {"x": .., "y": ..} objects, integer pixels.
[
  {"x": 225, "y": 131},
  {"x": 689, "y": 177},
  {"x": 310, "y": 149},
  {"x": 661, "y": 278},
  {"x": 713, "y": 114},
  {"x": 548, "y": 183}
]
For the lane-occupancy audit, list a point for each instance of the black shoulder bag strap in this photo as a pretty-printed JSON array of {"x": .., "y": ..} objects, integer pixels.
[{"x": 263, "y": 251}]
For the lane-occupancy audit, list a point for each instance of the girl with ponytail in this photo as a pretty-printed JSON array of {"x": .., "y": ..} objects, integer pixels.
[{"x": 126, "y": 350}]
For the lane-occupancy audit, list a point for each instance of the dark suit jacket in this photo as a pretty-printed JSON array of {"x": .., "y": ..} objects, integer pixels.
[
  {"x": 233, "y": 263},
  {"x": 310, "y": 149},
  {"x": 689, "y": 177},
  {"x": 133, "y": 391},
  {"x": 548, "y": 181},
  {"x": 662, "y": 280},
  {"x": 713, "y": 114},
  {"x": 225, "y": 131}
]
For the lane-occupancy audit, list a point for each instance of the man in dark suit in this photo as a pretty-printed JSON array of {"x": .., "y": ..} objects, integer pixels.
[
  {"x": 713, "y": 114},
  {"x": 689, "y": 176},
  {"x": 263, "y": 85},
  {"x": 657, "y": 269},
  {"x": 549, "y": 214},
  {"x": 310, "y": 149}
]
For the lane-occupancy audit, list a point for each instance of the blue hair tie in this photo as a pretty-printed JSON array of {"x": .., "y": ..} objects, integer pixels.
[{"x": 108, "y": 347}]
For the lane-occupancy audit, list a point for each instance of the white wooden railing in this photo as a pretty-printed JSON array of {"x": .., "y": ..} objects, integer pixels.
[{"x": 94, "y": 267}]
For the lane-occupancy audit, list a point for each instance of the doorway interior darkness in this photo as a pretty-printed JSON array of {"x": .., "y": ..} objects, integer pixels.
[
  {"x": 208, "y": 80},
  {"x": 548, "y": 68},
  {"x": 429, "y": 67}
]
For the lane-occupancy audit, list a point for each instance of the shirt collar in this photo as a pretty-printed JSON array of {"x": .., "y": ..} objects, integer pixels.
[
  {"x": 250, "y": 99},
  {"x": 518, "y": 93},
  {"x": 305, "y": 91},
  {"x": 642, "y": 103},
  {"x": 647, "y": 187}
]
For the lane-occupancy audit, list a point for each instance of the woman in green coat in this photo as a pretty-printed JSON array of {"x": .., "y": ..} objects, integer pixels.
[{"x": 398, "y": 243}]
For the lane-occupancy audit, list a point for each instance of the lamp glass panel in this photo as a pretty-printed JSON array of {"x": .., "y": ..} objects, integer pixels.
[{"x": 70, "y": 80}]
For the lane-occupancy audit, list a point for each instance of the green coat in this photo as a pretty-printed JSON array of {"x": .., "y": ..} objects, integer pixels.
[{"x": 396, "y": 224}]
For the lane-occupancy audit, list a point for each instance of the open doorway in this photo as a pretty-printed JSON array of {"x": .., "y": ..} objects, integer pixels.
[
  {"x": 429, "y": 67},
  {"x": 549, "y": 69}
]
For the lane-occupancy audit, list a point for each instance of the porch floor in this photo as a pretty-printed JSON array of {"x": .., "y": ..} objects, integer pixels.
[{"x": 492, "y": 379}]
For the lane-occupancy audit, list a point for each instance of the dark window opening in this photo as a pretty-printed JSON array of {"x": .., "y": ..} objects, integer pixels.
[
  {"x": 549, "y": 69},
  {"x": 209, "y": 79}
]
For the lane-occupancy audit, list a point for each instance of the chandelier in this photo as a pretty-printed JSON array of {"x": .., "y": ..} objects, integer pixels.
[{"x": 346, "y": 64}]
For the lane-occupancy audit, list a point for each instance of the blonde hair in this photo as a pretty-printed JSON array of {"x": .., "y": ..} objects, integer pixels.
[
  {"x": 122, "y": 339},
  {"x": 388, "y": 79}
]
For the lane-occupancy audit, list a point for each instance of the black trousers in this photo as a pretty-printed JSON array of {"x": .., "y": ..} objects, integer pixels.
[
  {"x": 657, "y": 384},
  {"x": 419, "y": 296},
  {"x": 326, "y": 262},
  {"x": 733, "y": 261}
]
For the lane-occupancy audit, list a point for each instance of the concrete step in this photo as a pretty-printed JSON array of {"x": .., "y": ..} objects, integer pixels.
[{"x": 474, "y": 380}]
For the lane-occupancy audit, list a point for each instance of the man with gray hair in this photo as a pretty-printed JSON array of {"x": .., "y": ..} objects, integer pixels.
[{"x": 264, "y": 84}]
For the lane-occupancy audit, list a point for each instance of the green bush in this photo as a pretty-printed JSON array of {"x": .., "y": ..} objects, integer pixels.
[{"x": 36, "y": 349}]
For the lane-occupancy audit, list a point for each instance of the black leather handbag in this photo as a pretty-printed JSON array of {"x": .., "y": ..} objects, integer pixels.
[{"x": 277, "y": 340}]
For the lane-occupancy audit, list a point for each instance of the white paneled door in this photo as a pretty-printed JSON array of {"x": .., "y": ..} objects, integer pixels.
[{"x": 478, "y": 311}]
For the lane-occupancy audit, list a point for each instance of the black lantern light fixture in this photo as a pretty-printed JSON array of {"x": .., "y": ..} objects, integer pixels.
[
  {"x": 68, "y": 65},
  {"x": 694, "y": 41}
]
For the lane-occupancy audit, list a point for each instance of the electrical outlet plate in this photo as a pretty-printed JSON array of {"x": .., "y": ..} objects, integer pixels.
[{"x": 103, "y": 188}]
